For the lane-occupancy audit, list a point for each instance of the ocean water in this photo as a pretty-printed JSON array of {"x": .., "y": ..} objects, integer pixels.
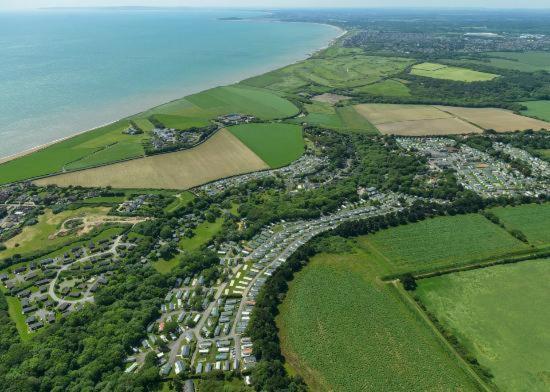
[{"x": 64, "y": 71}]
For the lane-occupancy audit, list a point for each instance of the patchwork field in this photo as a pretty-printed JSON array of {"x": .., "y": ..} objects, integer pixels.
[
  {"x": 343, "y": 330},
  {"x": 533, "y": 220},
  {"x": 441, "y": 71},
  {"x": 500, "y": 314},
  {"x": 340, "y": 68},
  {"x": 418, "y": 120},
  {"x": 276, "y": 144},
  {"x": 222, "y": 155},
  {"x": 440, "y": 242},
  {"x": 538, "y": 109}
]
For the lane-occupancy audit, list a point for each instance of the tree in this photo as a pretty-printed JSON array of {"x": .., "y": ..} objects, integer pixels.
[{"x": 408, "y": 281}]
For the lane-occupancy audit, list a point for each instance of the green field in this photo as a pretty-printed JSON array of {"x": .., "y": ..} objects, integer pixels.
[
  {"x": 181, "y": 201},
  {"x": 441, "y": 71},
  {"x": 276, "y": 144},
  {"x": 338, "y": 118},
  {"x": 386, "y": 88},
  {"x": 500, "y": 314},
  {"x": 538, "y": 109},
  {"x": 440, "y": 242},
  {"x": 344, "y": 330},
  {"x": 340, "y": 68},
  {"x": 521, "y": 61},
  {"x": 531, "y": 219},
  {"x": 203, "y": 233},
  {"x": 180, "y": 122},
  {"x": 16, "y": 313}
]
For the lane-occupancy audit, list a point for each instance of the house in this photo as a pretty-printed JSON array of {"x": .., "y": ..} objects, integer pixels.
[
  {"x": 63, "y": 307},
  {"x": 189, "y": 386}
]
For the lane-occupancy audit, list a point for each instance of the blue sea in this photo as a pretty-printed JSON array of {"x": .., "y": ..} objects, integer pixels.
[{"x": 64, "y": 71}]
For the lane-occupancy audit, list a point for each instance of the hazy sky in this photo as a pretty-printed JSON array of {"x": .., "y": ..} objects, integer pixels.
[{"x": 279, "y": 3}]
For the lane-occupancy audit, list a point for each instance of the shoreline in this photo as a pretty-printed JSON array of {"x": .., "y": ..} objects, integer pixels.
[{"x": 191, "y": 92}]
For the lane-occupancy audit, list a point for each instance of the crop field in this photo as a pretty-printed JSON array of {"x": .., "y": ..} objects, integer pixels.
[
  {"x": 441, "y": 71},
  {"x": 338, "y": 118},
  {"x": 441, "y": 242},
  {"x": 499, "y": 120},
  {"x": 276, "y": 144},
  {"x": 418, "y": 120},
  {"x": 180, "y": 122},
  {"x": 347, "y": 69},
  {"x": 386, "y": 88},
  {"x": 242, "y": 99},
  {"x": 42, "y": 235},
  {"x": 538, "y": 109},
  {"x": 90, "y": 147},
  {"x": 223, "y": 155},
  {"x": 500, "y": 314},
  {"x": 343, "y": 330},
  {"x": 533, "y": 220}
]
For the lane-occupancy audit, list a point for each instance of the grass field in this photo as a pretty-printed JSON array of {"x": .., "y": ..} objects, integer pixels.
[
  {"x": 203, "y": 233},
  {"x": 418, "y": 120},
  {"x": 531, "y": 219},
  {"x": 276, "y": 144},
  {"x": 338, "y": 118},
  {"x": 180, "y": 122},
  {"x": 37, "y": 237},
  {"x": 222, "y": 155},
  {"x": 386, "y": 88},
  {"x": 538, "y": 109},
  {"x": 344, "y": 330},
  {"x": 500, "y": 314},
  {"x": 440, "y": 242},
  {"x": 525, "y": 62},
  {"x": 181, "y": 201},
  {"x": 441, "y": 71},
  {"x": 343, "y": 68},
  {"x": 16, "y": 313}
]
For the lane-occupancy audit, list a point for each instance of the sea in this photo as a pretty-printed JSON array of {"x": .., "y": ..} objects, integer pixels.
[{"x": 63, "y": 71}]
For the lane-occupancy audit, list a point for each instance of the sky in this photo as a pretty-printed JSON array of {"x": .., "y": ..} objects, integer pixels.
[{"x": 25, "y": 4}]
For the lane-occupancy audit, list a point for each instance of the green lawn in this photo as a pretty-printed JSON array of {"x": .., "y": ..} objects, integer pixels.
[
  {"x": 538, "y": 109},
  {"x": 276, "y": 144},
  {"x": 532, "y": 219},
  {"x": 386, "y": 88},
  {"x": 181, "y": 201},
  {"x": 441, "y": 71},
  {"x": 343, "y": 330},
  {"x": 440, "y": 242},
  {"x": 16, "y": 313},
  {"x": 500, "y": 314},
  {"x": 203, "y": 233}
]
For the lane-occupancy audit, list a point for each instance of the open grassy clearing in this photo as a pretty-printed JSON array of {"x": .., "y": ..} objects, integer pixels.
[
  {"x": 533, "y": 220},
  {"x": 222, "y": 155},
  {"x": 203, "y": 233},
  {"x": 418, "y": 120},
  {"x": 520, "y": 61},
  {"x": 440, "y": 242},
  {"x": 441, "y": 71},
  {"x": 89, "y": 147},
  {"x": 538, "y": 109},
  {"x": 16, "y": 313},
  {"x": 180, "y": 122},
  {"x": 338, "y": 118},
  {"x": 344, "y": 330},
  {"x": 181, "y": 201},
  {"x": 276, "y": 144},
  {"x": 42, "y": 235},
  {"x": 344, "y": 69},
  {"x": 500, "y": 314}
]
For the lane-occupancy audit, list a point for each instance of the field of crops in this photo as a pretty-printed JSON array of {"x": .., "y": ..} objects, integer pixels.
[
  {"x": 441, "y": 71},
  {"x": 40, "y": 236},
  {"x": 538, "y": 109},
  {"x": 276, "y": 144},
  {"x": 533, "y": 220},
  {"x": 343, "y": 330},
  {"x": 500, "y": 314},
  {"x": 441, "y": 242},
  {"x": 222, "y": 155},
  {"x": 344, "y": 69}
]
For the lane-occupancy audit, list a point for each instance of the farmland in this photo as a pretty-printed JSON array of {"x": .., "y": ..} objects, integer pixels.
[
  {"x": 441, "y": 71},
  {"x": 220, "y": 156},
  {"x": 276, "y": 144},
  {"x": 418, "y": 120},
  {"x": 388, "y": 87},
  {"x": 538, "y": 109},
  {"x": 343, "y": 330},
  {"x": 42, "y": 235},
  {"x": 339, "y": 118},
  {"x": 531, "y": 219},
  {"x": 522, "y": 61},
  {"x": 437, "y": 243},
  {"x": 486, "y": 308}
]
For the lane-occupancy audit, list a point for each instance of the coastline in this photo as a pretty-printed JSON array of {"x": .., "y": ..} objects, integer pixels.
[{"x": 42, "y": 146}]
